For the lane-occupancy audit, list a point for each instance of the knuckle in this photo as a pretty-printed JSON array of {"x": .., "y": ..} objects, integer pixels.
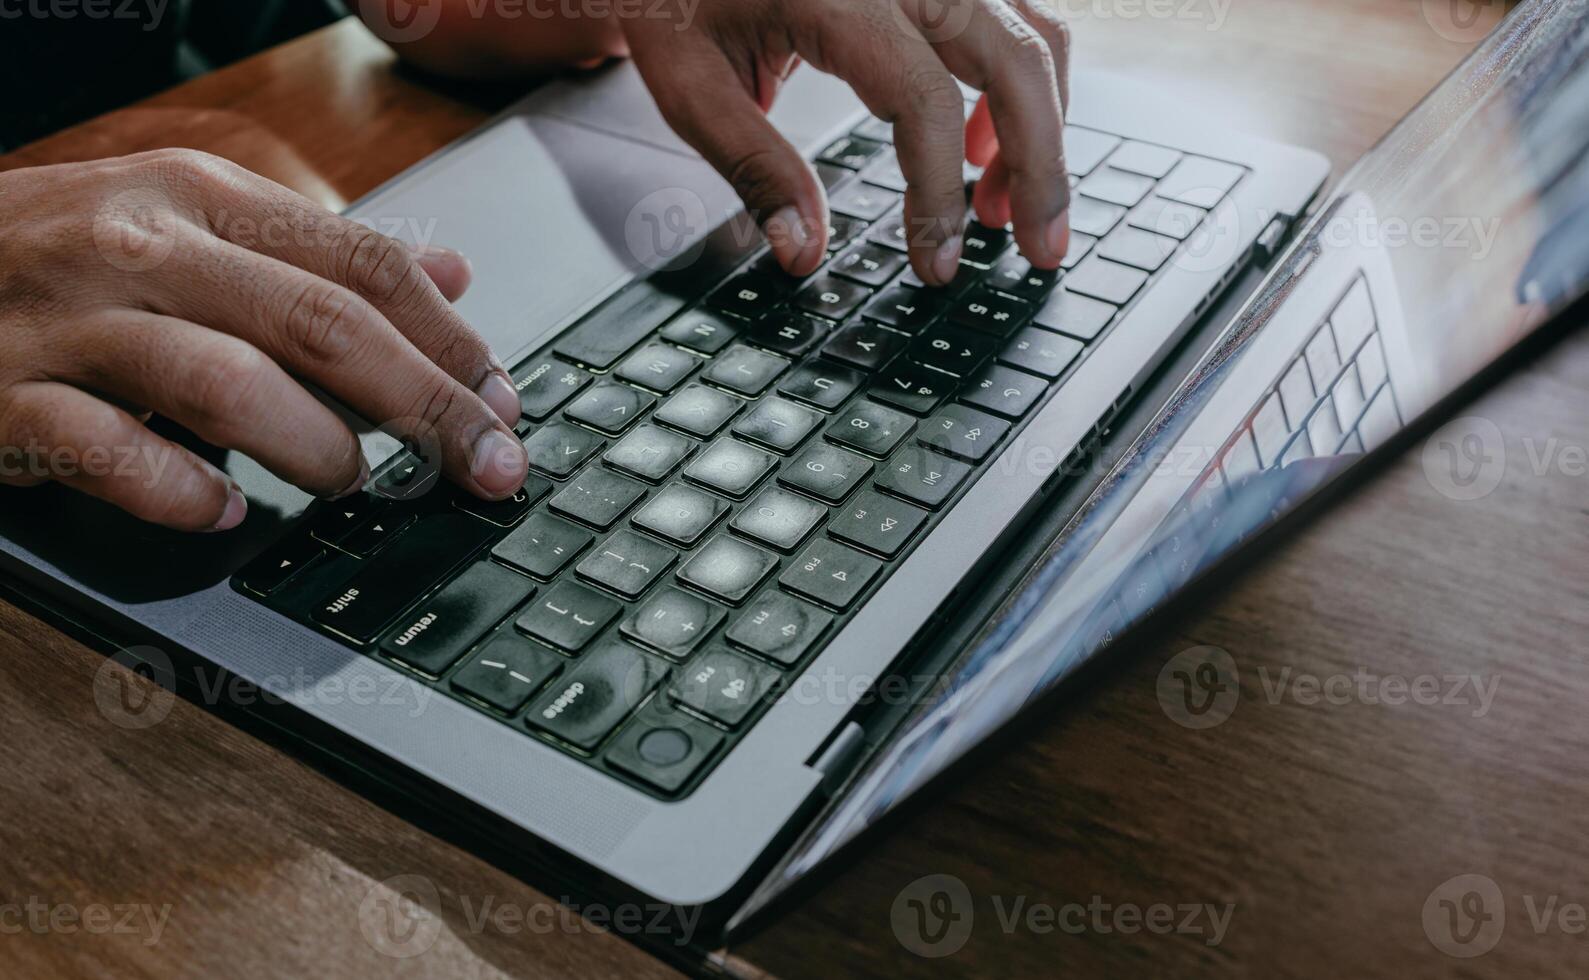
[
  {"x": 322, "y": 324},
  {"x": 379, "y": 266},
  {"x": 31, "y": 424},
  {"x": 1029, "y": 54},
  {"x": 191, "y": 167},
  {"x": 936, "y": 96},
  {"x": 217, "y": 394}
]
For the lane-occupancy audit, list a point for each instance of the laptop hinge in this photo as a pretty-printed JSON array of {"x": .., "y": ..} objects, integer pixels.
[{"x": 838, "y": 756}]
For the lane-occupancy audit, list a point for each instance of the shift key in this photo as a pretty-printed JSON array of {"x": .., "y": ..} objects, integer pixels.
[
  {"x": 436, "y": 632},
  {"x": 420, "y": 559},
  {"x": 590, "y": 701}
]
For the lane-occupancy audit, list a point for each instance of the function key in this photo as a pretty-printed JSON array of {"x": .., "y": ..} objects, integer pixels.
[
  {"x": 906, "y": 309},
  {"x": 850, "y": 152},
  {"x": 664, "y": 748},
  {"x": 745, "y": 370},
  {"x": 826, "y": 472},
  {"x": 609, "y": 407},
  {"x": 868, "y": 263},
  {"x": 865, "y": 201},
  {"x": 681, "y": 514},
  {"x": 879, "y": 524},
  {"x": 987, "y": 312},
  {"x": 597, "y": 497},
  {"x": 1040, "y": 352},
  {"x": 749, "y": 294},
  {"x": 908, "y": 385},
  {"x": 787, "y": 333},
  {"x": 1003, "y": 391},
  {"x": 818, "y": 383},
  {"x": 593, "y": 698},
  {"x": 867, "y": 346},
  {"x": 777, "y": 424},
  {"x": 542, "y": 545},
  {"x": 831, "y": 297},
  {"x": 722, "y": 685},
  {"x": 649, "y": 452},
  {"x": 730, "y": 467},
  {"x": 778, "y": 518},
  {"x": 659, "y": 367},
  {"x": 963, "y": 432},
  {"x": 779, "y": 627},
  {"x": 984, "y": 245},
  {"x": 626, "y": 563},
  {"x": 922, "y": 477},
  {"x": 698, "y": 410},
  {"x": 830, "y": 573},
  {"x": 558, "y": 448},
  {"x": 727, "y": 569},
  {"x": 568, "y": 616},
  {"x": 506, "y": 672},
  {"x": 545, "y": 384},
  {"x": 870, "y": 428},
  {"x": 701, "y": 331},
  {"x": 951, "y": 349},
  {"x": 1076, "y": 315},
  {"x": 672, "y": 621}
]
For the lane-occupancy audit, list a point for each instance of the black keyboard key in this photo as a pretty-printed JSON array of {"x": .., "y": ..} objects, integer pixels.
[
  {"x": 787, "y": 333},
  {"x": 664, "y": 749},
  {"x": 751, "y": 295},
  {"x": 412, "y": 565},
  {"x": 545, "y": 384},
  {"x": 506, "y": 672},
  {"x": 701, "y": 331},
  {"x": 905, "y": 384},
  {"x": 730, "y": 467},
  {"x": 874, "y": 128},
  {"x": 658, "y": 367},
  {"x": 906, "y": 309},
  {"x": 777, "y": 424},
  {"x": 593, "y": 698},
  {"x": 745, "y": 370},
  {"x": 617, "y": 325},
  {"x": 597, "y": 497},
  {"x": 890, "y": 232},
  {"x": 884, "y": 171},
  {"x": 779, "y": 627},
  {"x": 504, "y": 513},
  {"x": 827, "y": 386},
  {"x": 542, "y": 545},
  {"x": 850, "y": 152},
  {"x": 727, "y": 568},
  {"x": 831, "y": 297},
  {"x": 649, "y": 452},
  {"x": 868, "y": 264},
  {"x": 963, "y": 432},
  {"x": 1040, "y": 352},
  {"x": 865, "y": 201},
  {"x": 865, "y": 345},
  {"x": 984, "y": 245},
  {"x": 830, "y": 573},
  {"x": 1075, "y": 315},
  {"x": 966, "y": 277},
  {"x": 826, "y": 472},
  {"x": 377, "y": 531},
  {"x": 923, "y": 477},
  {"x": 1019, "y": 278},
  {"x": 568, "y": 616},
  {"x": 951, "y": 349},
  {"x": 1105, "y": 280},
  {"x": 673, "y": 622},
  {"x": 722, "y": 685},
  {"x": 627, "y": 564},
  {"x": 559, "y": 449},
  {"x": 609, "y": 407},
  {"x": 339, "y": 518},
  {"x": 870, "y": 428},
  {"x": 1003, "y": 391},
  {"x": 698, "y": 410},
  {"x": 681, "y": 514},
  {"x": 987, "y": 312},
  {"x": 436, "y": 632},
  {"x": 778, "y": 518},
  {"x": 842, "y": 230},
  {"x": 879, "y": 524},
  {"x": 271, "y": 570}
]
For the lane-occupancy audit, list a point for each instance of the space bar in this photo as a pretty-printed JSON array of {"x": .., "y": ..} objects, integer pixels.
[{"x": 611, "y": 329}]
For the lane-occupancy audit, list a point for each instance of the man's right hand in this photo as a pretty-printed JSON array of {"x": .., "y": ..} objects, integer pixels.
[{"x": 177, "y": 283}]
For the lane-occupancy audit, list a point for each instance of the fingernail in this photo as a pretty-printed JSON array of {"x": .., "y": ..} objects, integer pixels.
[
  {"x": 499, "y": 465},
  {"x": 946, "y": 262},
  {"x": 436, "y": 250},
  {"x": 1058, "y": 237},
  {"x": 358, "y": 481},
  {"x": 497, "y": 391},
  {"x": 236, "y": 510},
  {"x": 789, "y": 237}
]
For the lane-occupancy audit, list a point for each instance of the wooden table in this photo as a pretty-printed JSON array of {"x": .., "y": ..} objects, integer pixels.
[{"x": 1325, "y": 827}]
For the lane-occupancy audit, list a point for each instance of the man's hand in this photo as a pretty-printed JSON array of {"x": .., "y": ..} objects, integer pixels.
[
  {"x": 178, "y": 283},
  {"x": 715, "y": 78}
]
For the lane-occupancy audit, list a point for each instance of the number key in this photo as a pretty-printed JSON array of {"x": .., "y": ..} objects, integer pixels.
[{"x": 870, "y": 428}]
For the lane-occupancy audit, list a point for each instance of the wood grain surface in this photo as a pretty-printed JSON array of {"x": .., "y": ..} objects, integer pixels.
[{"x": 1317, "y": 833}]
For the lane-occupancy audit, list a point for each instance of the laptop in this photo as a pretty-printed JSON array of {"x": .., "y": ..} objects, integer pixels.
[{"x": 792, "y": 549}]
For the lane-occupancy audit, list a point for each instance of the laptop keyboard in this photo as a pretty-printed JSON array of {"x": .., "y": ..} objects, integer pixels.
[{"x": 716, "y": 485}]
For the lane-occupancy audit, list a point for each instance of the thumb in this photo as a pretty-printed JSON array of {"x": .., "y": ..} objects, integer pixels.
[{"x": 706, "y": 102}]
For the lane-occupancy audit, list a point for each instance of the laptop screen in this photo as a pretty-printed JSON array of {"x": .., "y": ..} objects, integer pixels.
[{"x": 1461, "y": 233}]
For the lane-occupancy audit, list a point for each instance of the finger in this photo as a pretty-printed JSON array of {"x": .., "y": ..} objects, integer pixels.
[
  {"x": 981, "y": 143},
  {"x": 729, "y": 128},
  {"x": 225, "y": 391},
  {"x": 902, "y": 80},
  {"x": 449, "y": 270},
  {"x": 991, "y": 196},
  {"x": 260, "y": 215},
  {"x": 337, "y": 340},
  {"x": 1056, "y": 32},
  {"x": 1005, "y": 55},
  {"x": 89, "y": 445}
]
